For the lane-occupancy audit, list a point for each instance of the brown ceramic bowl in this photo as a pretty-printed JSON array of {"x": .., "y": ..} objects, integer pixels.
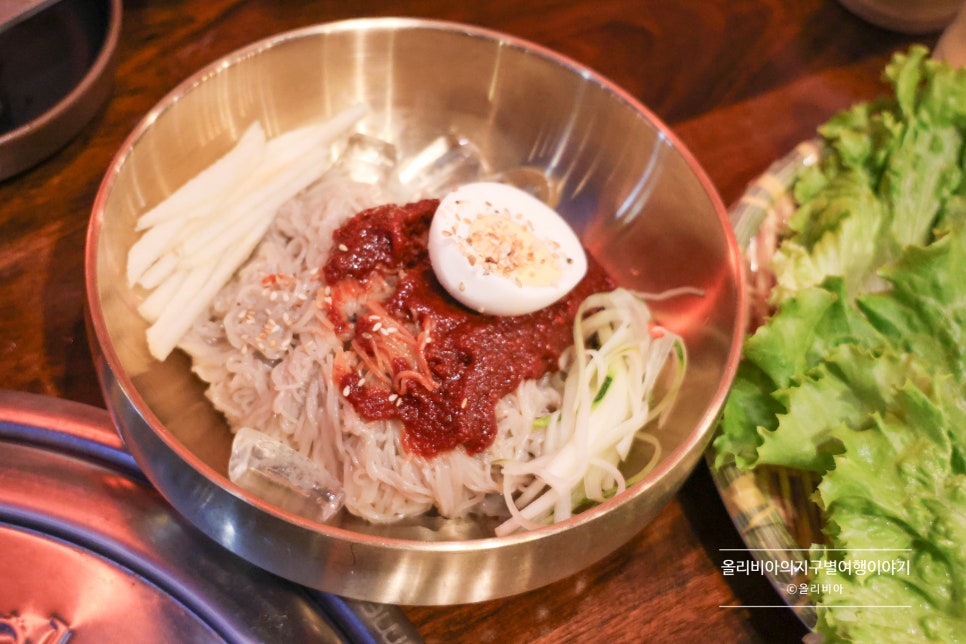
[{"x": 637, "y": 197}]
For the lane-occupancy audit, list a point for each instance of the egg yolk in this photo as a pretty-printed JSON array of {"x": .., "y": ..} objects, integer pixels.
[{"x": 508, "y": 248}]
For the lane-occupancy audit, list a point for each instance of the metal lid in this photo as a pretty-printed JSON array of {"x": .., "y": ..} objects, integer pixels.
[{"x": 91, "y": 552}]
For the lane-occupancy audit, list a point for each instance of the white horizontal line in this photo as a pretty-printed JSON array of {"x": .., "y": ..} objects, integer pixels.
[
  {"x": 823, "y": 549},
  {"x": 787, "y": 606}
]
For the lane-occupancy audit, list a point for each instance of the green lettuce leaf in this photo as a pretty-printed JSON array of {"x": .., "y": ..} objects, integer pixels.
[
  {"x": 777, "y": 372},
  {"x": 925, "y": 310},
  {"x": 896, "y": 497},
  {"x": 860, "y": 374}
]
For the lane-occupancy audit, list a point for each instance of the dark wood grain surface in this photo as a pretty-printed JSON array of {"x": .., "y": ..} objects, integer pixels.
[{"x": 740, "y": 81}]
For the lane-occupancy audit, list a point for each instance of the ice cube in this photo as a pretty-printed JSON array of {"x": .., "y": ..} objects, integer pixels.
[
  {"x": 276, "y": 473},
  {"x": 446, "y": 162},
  {"x": 367, "y": 159}
]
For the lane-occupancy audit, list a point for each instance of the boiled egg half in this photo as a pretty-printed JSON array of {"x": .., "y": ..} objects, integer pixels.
[{"x": 501, "y": 251}]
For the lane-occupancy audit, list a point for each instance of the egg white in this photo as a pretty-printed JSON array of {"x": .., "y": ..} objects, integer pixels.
[{"x": 500, "y": 278}]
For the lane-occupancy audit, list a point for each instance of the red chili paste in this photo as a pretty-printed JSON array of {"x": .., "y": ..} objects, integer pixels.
[{"x": 471, "y": 360}]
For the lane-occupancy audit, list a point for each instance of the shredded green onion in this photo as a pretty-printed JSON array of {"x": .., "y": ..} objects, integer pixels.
[
  {"x": 610, "y": 380},
  {"x": 603, "y": 389}
]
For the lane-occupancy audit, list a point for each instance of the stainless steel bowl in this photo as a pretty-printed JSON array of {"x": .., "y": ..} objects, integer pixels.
[
  {"x": 642, "y": 204},
  {"x": 915, "y": 17},
  {"x": 56, "y": 71}
]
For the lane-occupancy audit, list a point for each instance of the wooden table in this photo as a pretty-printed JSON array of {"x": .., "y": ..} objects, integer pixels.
[{"x": 741, "y": 82}]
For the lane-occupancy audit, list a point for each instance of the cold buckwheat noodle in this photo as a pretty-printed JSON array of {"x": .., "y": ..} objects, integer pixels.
[{"x": 269, "y": 355}]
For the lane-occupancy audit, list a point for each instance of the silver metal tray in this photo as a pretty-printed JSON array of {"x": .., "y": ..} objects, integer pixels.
[{"x": 90, "y": 552}]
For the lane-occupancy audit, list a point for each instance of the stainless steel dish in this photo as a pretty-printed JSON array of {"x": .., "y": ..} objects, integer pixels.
[
  {"x": 139, "y": 573},
  {"x": 640, "y": 201},
  {"x": 916, "y": 17},
  {"x": 57, "y": 70}
]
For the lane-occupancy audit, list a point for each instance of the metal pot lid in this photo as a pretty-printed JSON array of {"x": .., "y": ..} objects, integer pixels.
[{"x": 89, "y": 551}]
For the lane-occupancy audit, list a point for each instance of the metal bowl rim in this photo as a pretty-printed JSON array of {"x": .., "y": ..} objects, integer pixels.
[{"x": 692, "y": 444}]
